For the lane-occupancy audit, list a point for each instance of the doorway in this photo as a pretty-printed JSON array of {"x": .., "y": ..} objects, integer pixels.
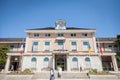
[
  {"x": 60, "y": 61},
  {"x": 107, "y": 63},
  {"x": 14, "y": 63}
]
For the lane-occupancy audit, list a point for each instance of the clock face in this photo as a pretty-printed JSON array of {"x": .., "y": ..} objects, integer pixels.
[{"x": 60, "y": 25}]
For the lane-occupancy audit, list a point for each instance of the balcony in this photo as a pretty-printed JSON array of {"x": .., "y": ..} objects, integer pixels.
[
  {"x": 16, "y": 52},
  {"x": 60, "y": 52},
  {"x": 60, "y": 38}
]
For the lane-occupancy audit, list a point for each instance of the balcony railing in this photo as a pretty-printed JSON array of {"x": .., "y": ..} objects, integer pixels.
[
  {"x": 14, "y": 52},
  {"x": 60, "y": 38},
  {"x": 60, "y": 51}
]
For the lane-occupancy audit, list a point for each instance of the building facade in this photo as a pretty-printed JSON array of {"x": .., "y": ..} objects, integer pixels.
[{"x": 61, "y": 46}]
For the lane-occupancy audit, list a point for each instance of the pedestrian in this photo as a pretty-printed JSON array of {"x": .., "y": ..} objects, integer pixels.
[
  {"x": 80, "y": 68},
  {"x": 51, "y": 74},
  {"x": 12, "y": 67},
  {"x": 88, "y": 75},
  {"x": 59, "y": 72}
]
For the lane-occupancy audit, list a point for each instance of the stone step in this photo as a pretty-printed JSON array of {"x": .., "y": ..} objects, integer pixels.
[{"x": 65, "y": 75}]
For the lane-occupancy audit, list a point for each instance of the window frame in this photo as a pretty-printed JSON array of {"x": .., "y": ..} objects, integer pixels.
[{"x": 36, "y": 35}]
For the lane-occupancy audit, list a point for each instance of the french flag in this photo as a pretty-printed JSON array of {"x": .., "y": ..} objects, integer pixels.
[
  {"x": 21, "y": 49},
  {"x": 100, "y": 49}
]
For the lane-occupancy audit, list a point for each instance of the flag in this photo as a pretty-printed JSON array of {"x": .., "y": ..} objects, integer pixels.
[
  {"x": 89, "y": 48},
  {"x": 21, "y": 49},
  {"x": 32, "y": 47},
  {"x": 100, "y": 49}
]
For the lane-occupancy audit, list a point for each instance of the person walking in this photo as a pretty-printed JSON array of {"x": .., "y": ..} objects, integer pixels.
[
  {"x": 51, "y": 74},
  {"x": 59, "y": 72}
]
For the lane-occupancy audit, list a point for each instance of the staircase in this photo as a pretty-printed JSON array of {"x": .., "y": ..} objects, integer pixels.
[{"x": 65, "y": 75}]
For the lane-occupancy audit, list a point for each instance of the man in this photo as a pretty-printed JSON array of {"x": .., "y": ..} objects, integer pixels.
[{"x": 51, "y": 74}]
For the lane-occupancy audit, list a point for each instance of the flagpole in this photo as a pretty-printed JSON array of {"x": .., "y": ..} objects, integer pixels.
[
  {"x": 99, "y": 52},
  {"x": 21, "y": 54},
  {"x": 89, "y": 52}
]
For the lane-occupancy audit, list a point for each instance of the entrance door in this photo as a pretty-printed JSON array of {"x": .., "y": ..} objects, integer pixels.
[
  {"x": 14, "y": 63},
  {"x": 60, "y": 61},
  {"x": 107, "y": 63}
]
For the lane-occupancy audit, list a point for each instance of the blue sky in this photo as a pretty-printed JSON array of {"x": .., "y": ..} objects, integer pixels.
[{"x": 18, "y": 15}]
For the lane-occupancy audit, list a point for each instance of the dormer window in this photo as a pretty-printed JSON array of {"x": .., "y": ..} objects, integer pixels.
[
  {"x": 73, "y": 35},
  {"x": 47, "y": 35},
  {"x": 36, "y": 35},
  {"x": 84, "y": 35},
  {"x": 60, "y": 35}
]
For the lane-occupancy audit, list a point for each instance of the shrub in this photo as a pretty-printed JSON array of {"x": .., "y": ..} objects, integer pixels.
[
  {"x": 118, "y": 69},
  {"x": 27, "y": 71},
  {"x": 93, "y": 71}
]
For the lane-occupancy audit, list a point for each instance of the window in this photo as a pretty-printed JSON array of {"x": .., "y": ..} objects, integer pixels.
[
  {"x": 85, "y": 45},
  {"x": 47, "y": 45},
  {"x": 46, "y": 59},
  {"x": 33, "y": 62},
  {"x": 87, "y": 63},
  {"x": 87, "y": 59},
  {"x": 60, "y": 35},
  {"x": 73, "y": 45},
  {"x": 74, "y": 62},
  {"x": 47, "y": 35},
  {"x": 46, "y": 62},
  {"x": 73, "y": 35},
  {"x": 35, "y": 46},
  {"x": 74, "y": 59},
  {"x": 109, "y": 47},
  {"x": 60, "y": 45},
  {"x": 84, "y": 34},
  {"x": 36, "y": 35},
  {"x": 11, "y": 47}
]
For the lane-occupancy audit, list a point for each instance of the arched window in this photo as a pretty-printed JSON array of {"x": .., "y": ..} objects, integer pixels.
[
  {"x": 33, "y": 59},
  {"x": 33, "y": 62},
  {"x": 74, "y": 63},
  {"x": 46, "y": 59},
  {"x": 87, "y": 59},
  {"x": 74, "y": 59},
  {"x": 46, "y": 62},
  {"x": 87, "y": 63}
]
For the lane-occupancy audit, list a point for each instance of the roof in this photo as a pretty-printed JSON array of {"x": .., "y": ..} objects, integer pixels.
[
  {"x": 68, "y": 28},
  {"x": 12, "y": 39}
]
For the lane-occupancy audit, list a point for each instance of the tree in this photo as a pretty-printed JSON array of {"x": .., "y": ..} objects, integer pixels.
[
  {"x": 3, "y": 55},
  {"x": 118, "y": 40}
]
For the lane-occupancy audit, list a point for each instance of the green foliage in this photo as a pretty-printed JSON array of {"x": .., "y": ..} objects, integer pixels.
[
  {"x": 94, "y": 71},
  {"x": 27, "y": 71},
  {"x": 118, "y": 58},
  {"x": 119, "y": 69},
  {"x": 118, "y": 41},
  {"x": 118, "y": 36},
  {"x": 3, "y": 53}
]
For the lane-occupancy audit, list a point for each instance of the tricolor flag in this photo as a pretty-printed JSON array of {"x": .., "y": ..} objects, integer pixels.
[
  {"x": 89, "y": 48},
  {"x": 21, "y": 49},
  {"x": 100, "y": 49}
]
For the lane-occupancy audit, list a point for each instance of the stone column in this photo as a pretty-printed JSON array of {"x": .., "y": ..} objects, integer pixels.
[
  {"x": 53, "y": 57},
  {"x": 94, "y": 42},
  {"x": 114, "y": 63},
  {"x": 68, "y": 65},
  {"x": 7, "y": 64},
  {"x": 26, "y": 44}
]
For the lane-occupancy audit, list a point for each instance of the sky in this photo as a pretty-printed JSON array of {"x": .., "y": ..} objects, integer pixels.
[{"x": 18, "y": 15}]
